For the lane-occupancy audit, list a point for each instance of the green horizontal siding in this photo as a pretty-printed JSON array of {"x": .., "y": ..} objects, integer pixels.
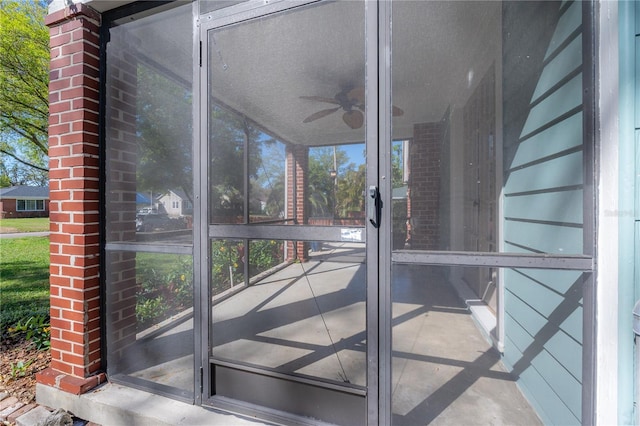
[
  {"x": 541, "y": 238},
  {"x": 562, "y": 101},
  {"x": 550, "y": 405},
  {"x": 636, "y": 214},
  {"x": 637, "y": 78},
  {"x": 549, "y": 206},
  {"x": 565, "y": 135},
  {"x": 543, "y": 213},
  {"x": 552, "y": 174},
  {"x": 566, "y": 62},
  {"x": 569, "y": 22}
]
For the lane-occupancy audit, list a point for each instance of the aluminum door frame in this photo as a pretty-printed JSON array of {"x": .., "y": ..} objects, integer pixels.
[{"x": 241, "y": 13}]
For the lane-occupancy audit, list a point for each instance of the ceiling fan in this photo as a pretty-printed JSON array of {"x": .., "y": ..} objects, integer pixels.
[{"x": 351, "y": 100}]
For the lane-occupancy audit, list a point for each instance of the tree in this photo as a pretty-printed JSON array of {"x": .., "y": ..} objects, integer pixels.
[
  {"x": 397, "y": 165},
  {"x": 267, "y": 188},
  {"x": 165, "y": 134},
  {"x": 230, "y": 134},
  {"x": 13, "y": 173},
  {"x": 322, "y": 186},
  {"x": 351, "y": 187},
  {"x": 5, "y": 181},
  {"x": 24, "y": 82}
]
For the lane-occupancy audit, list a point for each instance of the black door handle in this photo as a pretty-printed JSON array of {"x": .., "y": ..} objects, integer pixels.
[{"x": 374, "y": 206}]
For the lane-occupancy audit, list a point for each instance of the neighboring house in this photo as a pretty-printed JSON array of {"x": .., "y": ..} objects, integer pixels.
[
  {"x": 24, "y": 201},
  {"x": 176, "y": 203},
  {"x": 520, "y": 235}
]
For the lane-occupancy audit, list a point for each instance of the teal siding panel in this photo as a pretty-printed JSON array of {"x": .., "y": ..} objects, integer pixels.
[
  {"x": 567, "y": 352},
  {"x": 637, "y": 167},
  {"x": 543, "y": 238},
  {"x": 519, "y": 337},
  {"x": 560, "y": 346},
  {"x": 563, "y": 100},
  {"x": 525, "y": 354},
  {"x": 536, "y": 285},
  {"x": 544, "y": 321},
  {"x": 530, "y": 320},
  {"x": 569, "y": 22},
  {"x": 513, "y": 248},
  {"x": 573, "y": 324},
  {"x": 543, "y": 297},
  {"x": 637, "y": 269},
  {"x": 543, "y": 213},
  {"x": 531, "y": 396},
  {"x": 533, "y": 323},
  {"x": 637, "y": 21},
  {"x": 560, "y": 281},
  {"x": 564, "y": 135},
  {"x": 566, "y": 386},
  {"x": 549, "y": 404},
  {"x": 560, "y": 207},
  {"x": 637, "y": 88},
  {"x": 558, "y": 172},
  {"x": 568, "y": 60},
  {"x": 629, "y": 24},
  {"x": 544, "y": 300}
]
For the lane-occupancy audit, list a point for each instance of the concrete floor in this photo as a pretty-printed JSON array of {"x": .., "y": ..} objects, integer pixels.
[
  {"x": 309, "y": 320},
  {"x": 444, "y": 370}
]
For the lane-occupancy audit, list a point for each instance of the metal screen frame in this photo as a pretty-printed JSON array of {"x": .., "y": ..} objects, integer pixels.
[
  {"x": 230, "y": 16},
  {"x": 378, "y": 44},
  {"x": 586, "y": 262}
]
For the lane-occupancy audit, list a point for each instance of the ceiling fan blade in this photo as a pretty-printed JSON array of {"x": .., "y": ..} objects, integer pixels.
[
  {"x": 321, "y": 99},
  {"x": 320, "y": 114},
  {"x": 356, "y": 95},
  {"x": 353, "y": 118},
  {"x": 397, "y": 111}
]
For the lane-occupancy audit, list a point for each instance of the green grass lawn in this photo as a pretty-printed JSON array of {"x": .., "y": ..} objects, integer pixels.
[
  {"x": 31, "y": 224},
  {"x": 24, "y": 279}
]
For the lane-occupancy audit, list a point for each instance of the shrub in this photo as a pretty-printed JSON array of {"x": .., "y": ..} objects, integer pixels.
[
  {"x": 264, "y": 254},
  {"x": 36, "y": 330},
  {"x": 163, "y": 293}
]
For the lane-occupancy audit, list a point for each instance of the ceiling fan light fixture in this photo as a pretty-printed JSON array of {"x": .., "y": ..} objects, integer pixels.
[
  {"x": 353, "y": 119},
  {"x": 351, "y": 100}
]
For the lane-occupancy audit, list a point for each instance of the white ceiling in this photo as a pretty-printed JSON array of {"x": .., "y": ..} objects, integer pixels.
[{"x": 262, "y": 67}]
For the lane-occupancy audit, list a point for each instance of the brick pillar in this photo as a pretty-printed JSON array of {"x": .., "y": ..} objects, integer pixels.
[
  {"x": 423, "y": 196},
  {"x": 74, "y": 185},
  {"x": 121, "y": 186},
  {"x": 297, "y": 164}
]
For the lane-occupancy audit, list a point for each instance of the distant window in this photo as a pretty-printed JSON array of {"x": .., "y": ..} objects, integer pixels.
[
  {"x": 30, "y": 205},
  {"x": 175, "y": 204}
]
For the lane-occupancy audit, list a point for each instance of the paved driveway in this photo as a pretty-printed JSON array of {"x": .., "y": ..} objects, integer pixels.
[{"x": 24, "y": 234}]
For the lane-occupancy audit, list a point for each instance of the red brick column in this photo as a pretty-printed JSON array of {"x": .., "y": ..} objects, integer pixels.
[
  {"x": 297, "y": 163},
  {"x": 423, "y": 196},
  {"x": 121, "y": 89},
  {"x": 74, "y": 186}
]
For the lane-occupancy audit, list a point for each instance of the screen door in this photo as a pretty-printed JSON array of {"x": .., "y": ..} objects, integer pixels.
[{"x": 287, "y": 200}]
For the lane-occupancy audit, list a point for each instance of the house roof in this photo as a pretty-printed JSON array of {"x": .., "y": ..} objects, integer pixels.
[
  {"x": 399, "y": 193},
  {"x": 25, "y": 192},
  {"x": 178, "y": 193}
]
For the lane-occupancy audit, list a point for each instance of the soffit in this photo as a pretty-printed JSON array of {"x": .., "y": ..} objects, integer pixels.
[
  {"x": 99, "y": 5},
  {"x": 261, "y": 68}
]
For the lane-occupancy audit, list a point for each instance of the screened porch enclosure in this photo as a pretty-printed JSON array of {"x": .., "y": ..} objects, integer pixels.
[
  {"x": 273, "y": 240},
  {"x": 302, "y": 320}
]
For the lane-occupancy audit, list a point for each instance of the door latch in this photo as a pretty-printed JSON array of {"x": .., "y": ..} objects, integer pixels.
[{"x": 374, "y": 206}]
